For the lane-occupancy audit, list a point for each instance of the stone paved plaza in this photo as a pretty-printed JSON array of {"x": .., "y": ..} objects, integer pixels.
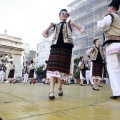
[{"x": 30, "y": 102}]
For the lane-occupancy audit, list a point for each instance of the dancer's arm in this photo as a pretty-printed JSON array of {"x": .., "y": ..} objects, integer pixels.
[
  {"x": 105, "y": 23},
  {"x": 48, "y": 31},
  {"x": 80, "y": 28},
  {"x": 90, "y": 51}
]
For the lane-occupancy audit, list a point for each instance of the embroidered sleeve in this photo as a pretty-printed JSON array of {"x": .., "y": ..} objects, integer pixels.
[
  {"x": 105, "y": 23},
  {"x": 76, "y": 30},
  {"x": 88, "y": 52},
  {"x": 50, "y": 32},
  {"x": 79, "y": 64}
]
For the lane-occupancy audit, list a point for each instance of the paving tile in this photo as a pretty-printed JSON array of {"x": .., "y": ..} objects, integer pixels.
[{"x": 31, "y": 102}]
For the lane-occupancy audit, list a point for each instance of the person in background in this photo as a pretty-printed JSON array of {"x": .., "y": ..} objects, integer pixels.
[
  {"x": 97, "y": 62},
  {"x": 31, "y": 68},
  {"x": 87, "y": 66},
  {"x": 25, "y": 73},
  {"x": 81, "y": 66},
  {"x": 2, "y": 71},
  {"x": 11, "y": 72},
  {"x": 45, "y": 79}
]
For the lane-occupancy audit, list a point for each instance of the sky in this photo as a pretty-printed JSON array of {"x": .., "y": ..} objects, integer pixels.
[{"x": 27, "y": 19}]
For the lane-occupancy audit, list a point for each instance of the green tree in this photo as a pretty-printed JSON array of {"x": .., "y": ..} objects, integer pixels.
[
  {"x": 76, "y": 69},
  {"x": 39, "y": 70}
]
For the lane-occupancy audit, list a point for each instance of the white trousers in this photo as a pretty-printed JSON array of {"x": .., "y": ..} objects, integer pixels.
[
  {"x": 113, "y": 67},
  {"x": 2, "y": 76},
  {"x": 87, "y": 76},
  {"x": 91, "y": 78},
  {"x": 25, "y": 78}
]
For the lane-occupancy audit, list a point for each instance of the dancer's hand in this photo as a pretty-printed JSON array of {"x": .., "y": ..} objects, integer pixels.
[
  {"x": 71, "y": 22},
  {"x": 104, "y": 48},
  {"x": 52, "y": 24},
  {"x": 92, "y": 49}
]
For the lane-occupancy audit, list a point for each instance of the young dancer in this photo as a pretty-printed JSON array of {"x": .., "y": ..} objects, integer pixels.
[
  {"x": 58, "y": 66},
  {"x": 97, "y": 62}
]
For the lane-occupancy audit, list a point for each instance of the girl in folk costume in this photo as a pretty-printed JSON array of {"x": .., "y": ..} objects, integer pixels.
[
  {"x": 2, "y": 71},
  {"x": 11, "y": 71},
  {"x": 110, "y": 24},
  {"x": 58, "y": 66},
  {"x": 25, "y": 70},
  {"x": 81, "y": 66},
  {"x": 87, "y": 66},
  {"x": 97, "y": 62},
  {"x": 45, "y": 80},
  {"x": 31, "y": 73}
]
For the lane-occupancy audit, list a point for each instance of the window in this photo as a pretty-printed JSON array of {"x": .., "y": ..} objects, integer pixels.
[
  {"x": 43, "y": 60},
  {"x": 37, "y": 48},
  {"x": 40, "y": 60},
  {"x": 43, "y": 52},
  {"x": 40, "y": 53},
  {"x": 37, "y": 54}
]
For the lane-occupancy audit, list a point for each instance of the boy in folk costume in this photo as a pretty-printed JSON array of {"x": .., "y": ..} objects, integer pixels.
[
  {"x": 58, "y": 66},
  {"x": 81, "y": 66},
  {"x": 97, "y": 62},
  {"x": 111, "y": 27}
]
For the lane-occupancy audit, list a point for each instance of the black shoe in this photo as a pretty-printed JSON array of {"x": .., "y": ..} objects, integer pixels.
[
  {"x": 100, "y": 86},
  {"x": 0, "y": 118},
  {"x": 95, "y": 89},
  {"x": 82, "y": 84},
  {"x": 51, "y": 97},
  {"x": 60, "y": 94},
  {"x": 114, "y": 97}
]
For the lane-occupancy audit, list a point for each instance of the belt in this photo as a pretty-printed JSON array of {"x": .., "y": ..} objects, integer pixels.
[{"x": 112, "y": 37}]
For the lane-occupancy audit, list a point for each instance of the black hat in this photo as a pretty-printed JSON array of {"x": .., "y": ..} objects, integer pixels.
[{"x": 115, "y": 3}]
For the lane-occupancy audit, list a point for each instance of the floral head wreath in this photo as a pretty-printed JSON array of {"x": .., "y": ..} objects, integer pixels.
[{"x": 68, "y": 15}]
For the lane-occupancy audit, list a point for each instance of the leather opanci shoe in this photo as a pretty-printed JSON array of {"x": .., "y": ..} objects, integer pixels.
[
  {"x": 51, "y": 97},
  {"x": 60, "y": 93},
  {"x": 95, "y": 89}
]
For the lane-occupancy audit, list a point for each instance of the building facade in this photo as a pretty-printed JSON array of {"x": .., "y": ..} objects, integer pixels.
[
  {"x": 86, "y": 13},
  {"x": 43, "y": 51},
  {"x": 11, "y": 48},
  {"x": 26, "y": 52},
  {"x": 32, "y": 56}
]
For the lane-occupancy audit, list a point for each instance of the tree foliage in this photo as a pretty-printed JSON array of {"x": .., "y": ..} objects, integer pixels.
[
  {"x": 39, "y": 70},
  {"x": 76, "y": 69}
]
